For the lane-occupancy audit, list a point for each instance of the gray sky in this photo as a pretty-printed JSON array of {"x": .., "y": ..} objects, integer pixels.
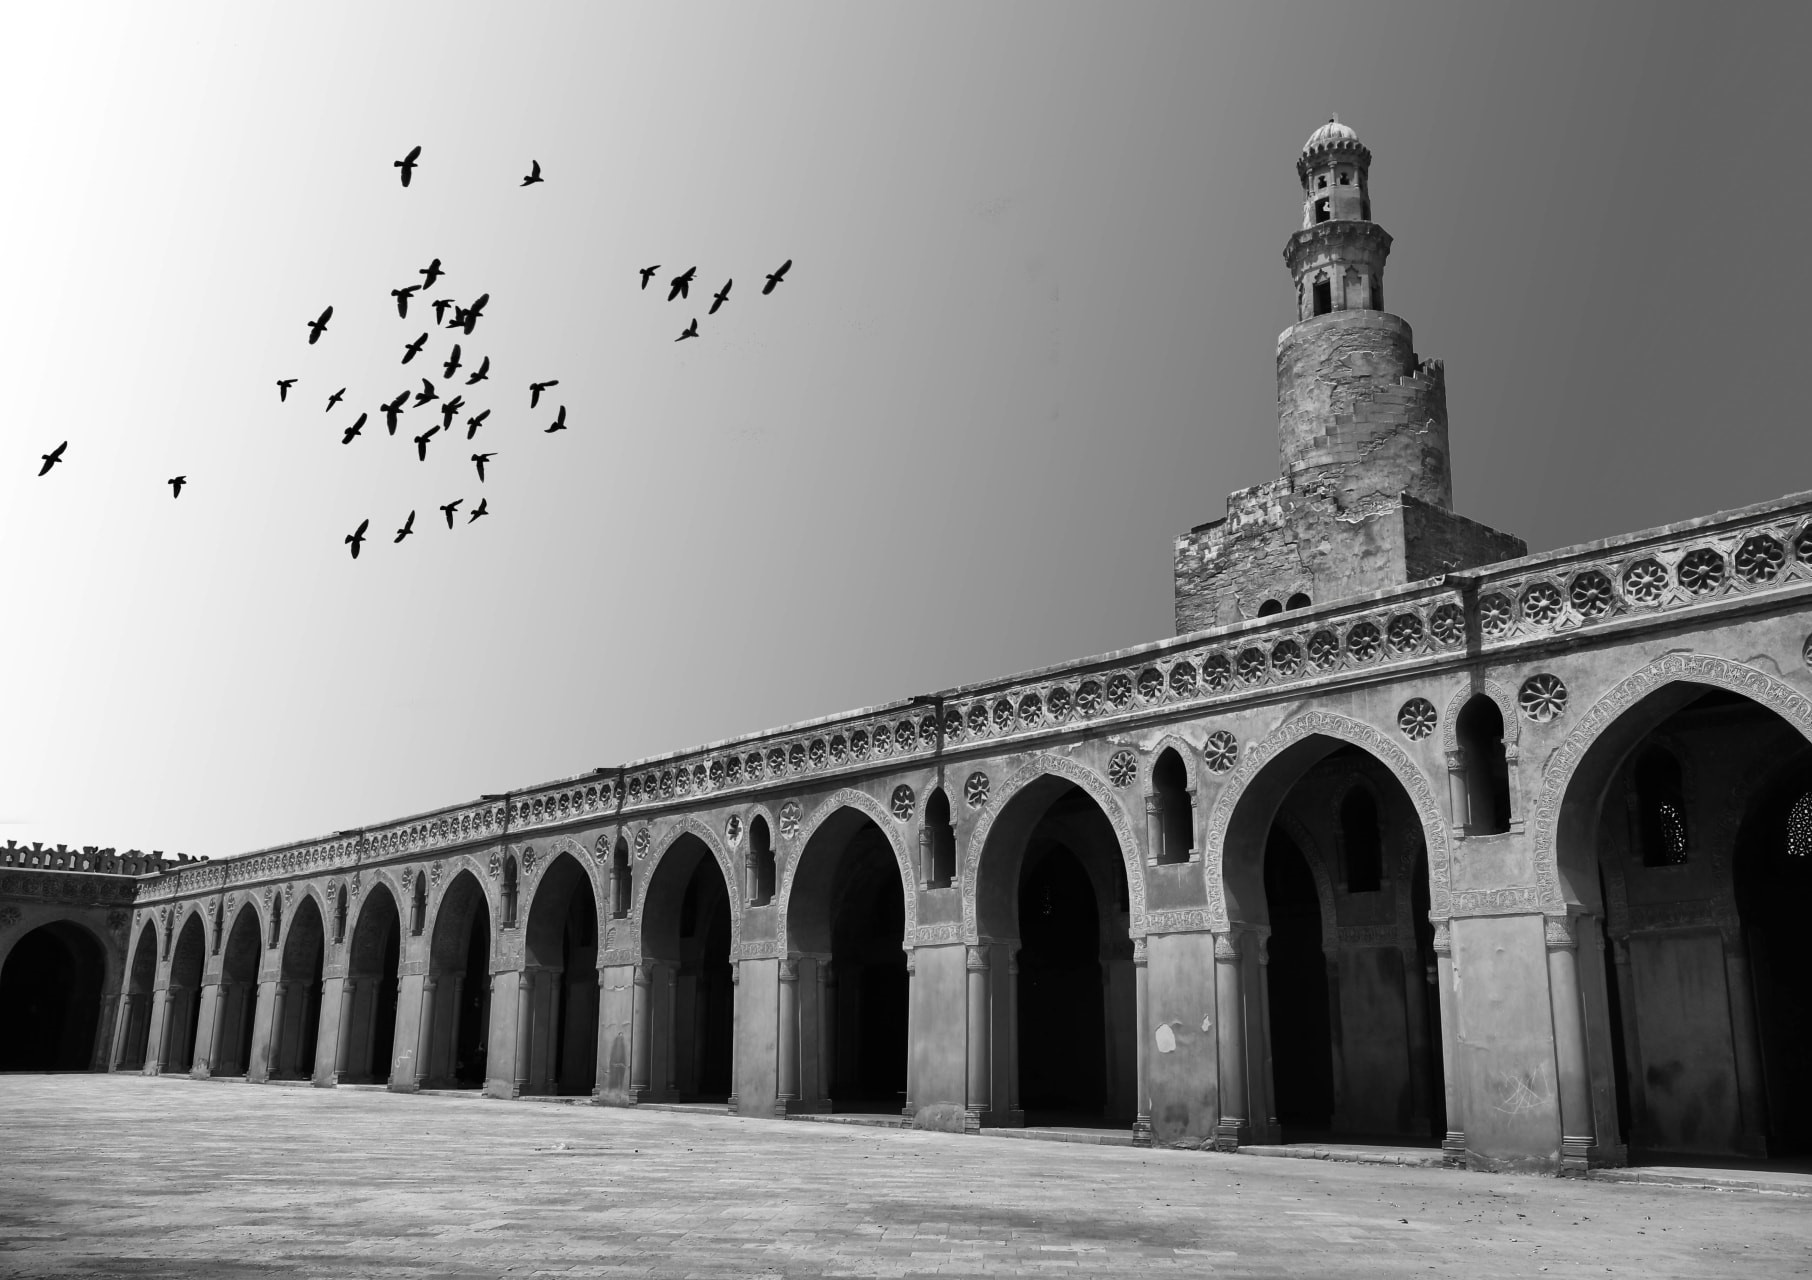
[{"x": 1027, "y": 341}]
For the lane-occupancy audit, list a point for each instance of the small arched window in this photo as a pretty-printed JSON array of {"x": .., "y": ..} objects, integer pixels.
[
  {"x": 1173, "y": 835},
  {"x": 1799, "y": 828},
  {"x": 1480, "y": 732},
  {"x": 1321, "y": 210},
  {"x": 509, "y": 890},
  {"x": 1361, "y": 843},
  {"x": 219, "y": 922},
  {"x": 937, "y": 843},
  {"x": 1324, "y": 297},
  {"x": 1660, "y": 809},
  {"x": 1270, "y": 607},
  {"x": 339, "y": 914},
  {"x": 761, "y": 863},
  {"x": 1321, "y": 181},
  {"x": 620, "y": 882},
  {"x": 1298, "y": 601},
  {"x": 418, "y": 905},
  {"x": 276, "y": 919},
  {"x": 1346, "y": 177}
]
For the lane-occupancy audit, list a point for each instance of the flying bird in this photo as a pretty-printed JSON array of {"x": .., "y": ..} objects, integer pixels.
[
  {"x": 334, "y": 399},
  {"x": 407, "y": 165},
  {"x": 720, "y": 297},
  {"x": 433, "y": 272},
  {"x": 482, "y": 509},
  {"x": 426, "y": 394},
  {"x": 480, "y": 374},
  {"x": 648, "y": 274},
  {"x": 414, "y": 349},
  {"x": 355, "y": 428},
  {"x": 690, "y": 331},
  {"x": 534, "y": 176},
  {"x": 451, "y": 366},
  {"x": 474, "y": 311},
  {"x": 777, "y": 277},
  {"x": 318, "y": 326},
  {"x": 176, "y": 483},
  {"x": 407, "y": 529},
  {"x": 421, "y": 442},
  {"x": 472, "y": 424},
  {"x": 536, "y": 388},
  {"x": 450, "y": 508},
  {"x": 402, "y": 297},
  {"x": 459, "y": 317},
  {"x": 481, "y": 459},
  {"x": 559, "y": 422},
  {"x": 392, "y": 409},
  {"x": 283, "y": 386},
  {"x": 682, "y": 284},
  {"x": 357, "y": 536},
  {"x": 449, "y": 410},
  {"x": 440, "y": 309},
  {"x": 52, "y": 458}
]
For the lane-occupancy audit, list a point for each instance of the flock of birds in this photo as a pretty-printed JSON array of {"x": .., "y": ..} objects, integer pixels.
[{"x": 465, "y": 321}]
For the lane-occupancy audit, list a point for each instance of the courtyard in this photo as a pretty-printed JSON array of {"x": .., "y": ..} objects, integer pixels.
[{"x": 122, "y": 1175}]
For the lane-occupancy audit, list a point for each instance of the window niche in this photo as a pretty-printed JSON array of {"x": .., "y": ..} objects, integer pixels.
[
  {"x": 1660, "y": 808},
  {"x": 621, "y": 882},
  {"x": 509, "y": 891},
  {"x": 760, "y": 863},
  {"x": 1298, "y": 601},
  {"x": 937, "y": 843},
  {"x": 276, "y": 919},
  {"x": 339, "y": 914},
  {"x": 1170, "y": 810},
  {"x": 1324, "y": 296},
  {"x": 1479, "y": 731},
  {"x": 1270, "y": 607},
  {"x": 1361, "y": 842},
  {"x": 1798, "y": 842},
  {"x": 418, "y": 906}
]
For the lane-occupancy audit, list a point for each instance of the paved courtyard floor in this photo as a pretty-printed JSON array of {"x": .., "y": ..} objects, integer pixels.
[{"x": 128, "y": 1176}]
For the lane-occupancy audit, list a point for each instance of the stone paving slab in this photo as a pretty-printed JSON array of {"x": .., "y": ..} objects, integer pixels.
[{"x": 106, "y": 1176}]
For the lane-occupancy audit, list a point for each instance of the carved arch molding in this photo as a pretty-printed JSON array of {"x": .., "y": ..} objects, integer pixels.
[
  {"x": 622, "y": 939},
  {"x": 876, "y": 812}
]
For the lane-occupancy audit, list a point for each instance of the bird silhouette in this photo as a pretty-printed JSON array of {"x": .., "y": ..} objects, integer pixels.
[
  {"x": 472, "y": 424},
  {"x": 392, "y": 409},
  {"x": 534, "y": 176},
  {"x": 480, "y": 374},
  {"x": 682, "y": 284},
  {"x": 648, "y": 274},
  {"x": 334, "y": 399},
  {"x": 52, "y": 458},
  {"x": 481, "y": 459},
  {"x": 449, "y": 410},
  {"x": 283, "y": 386},
  {"x": 426, "y": 394},
  {"x": 690, "y": 331},
  {"x": 176, "y": 483},
  {"x": 450, "y": 508},
  {"x": 407, "y": 165},
  {"x": 357, "y": 536},
  {"x": 536, "y": 388},
  {"x": 451, "y": 366},
  {"x": 720, "y": 297},
  {"x": 474, "y": 311},
  {"x": 318, "y": 326},
  {"x": 421, "y": 442},
  {"x": 559, "y": 421},
  {"x": 433, "y": 272},
  {"x": 402, "y": 297},
  {"x": 414, "y": 349},
  {"x": 482, "y": 509},
  {"x": 355, "y": 428},
  {"x": 407, "y": 529},
  {"x": 459, "y": 317},
  {"x": 777, "y": 277},
  {"x": 440, "y": 309}
]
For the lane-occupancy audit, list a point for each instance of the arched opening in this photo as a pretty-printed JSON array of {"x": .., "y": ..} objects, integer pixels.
[
  {"x": 686, "y": 940},
  {"x": 50, "y": 999},
  {"x": 1479, "y": 730},
  {"x": 510, "y": 892},
  {"x": 1324, "y": 848},
  {"x": 459, "y": 972},
  {"x": 560, "y": 963},
  {"x": 276, "y": 922},
  {"x": 937, "y": 843},
  {"x": 182, "y": 1004},
  {"x": 1053, "y": 877},
  {"x": 339, "y": 915},
  {"x": 141, "y": 975},
  {"x": 846, "y": 925},
  {"x": 296, "y": 1012},
  {"x": 1174, "y": 808},
  {"x": 418, "y": 905},
  {"x": 622, "y": 882},
  {"x": 1675, "y": 831},
  {"x": 1322, "y": 214},
  {"x": 1274, "y": 606},
  {"x": 368, "y": 999},
  {"x": 236, "y": 1008},
  {"x": 1298, "y": 601},
  {"x": 761, "y": 863}
]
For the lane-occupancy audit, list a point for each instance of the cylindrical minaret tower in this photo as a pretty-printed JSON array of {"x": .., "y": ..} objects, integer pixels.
[{"x": 1358, "y": 416}]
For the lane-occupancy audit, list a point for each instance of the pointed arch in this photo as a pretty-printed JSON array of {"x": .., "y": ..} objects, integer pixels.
[
  {"x": 625, "y": 936},
  {"x": 1506, "y": 705},
  {"x": 874, "y": 811},
  {"x": 1318, "y": 870},
  {"x": 1186, "y": 751}
]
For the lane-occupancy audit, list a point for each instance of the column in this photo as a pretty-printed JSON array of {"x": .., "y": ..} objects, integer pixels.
[
  {"x": 1415, "y": 1017},
  {"x": 827, "y": 1030},
  {"x": 1453, "y": 1143},
  {"x": 525, "y": 1023},
  {"x": 787, "y": 1037},
  {"x": 154, "y": 1047},
  {"x": 641, "y": 1048},
  {"x": 342, "y": 1057},
  {"x": 1264, "y": 1086},
  {"x": 672, "y": 1073},
  {"x": 1154, "y": 829},
  {"x": 455, "y": 1008},
  {"x": 424, "y": 1032},
  {"x": 980, "y": 1027},
  {"x": 1632, "y": 1041},
  {"x": 1336, "y": 1040},
  {"x": 1459, "y": 804},
  {"x": 202, "y": 1061},
  {"x": 911, "y": 1108},
  {"x": 1015, "y": 1113},
  {"x": 735, "y": 1032},
  {"x": 1230, "y": 1014},
  {"x": 1142, "y": 1023},
  {"x": 1746, "y": 1043},
  {"x": 273, "y": 1035},
  {"x": 1576, "y": 1129}
]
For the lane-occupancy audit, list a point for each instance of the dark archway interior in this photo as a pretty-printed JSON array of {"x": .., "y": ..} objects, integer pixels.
[
  {"x": 460, "y": 964},
  {"x": 372, "y": 968},
  {"x": 185, "y": 995},
  {"x": 1480, "y": 731},
  {"x": 562, "y": 948},
  {"x": 868, "y": 972},
  {"x": 50, "y": 999},
  {"x": 704, "y": 1013},
  {"x": 139, "y": 980},
  {"x": 238, "y": 995},
  {"x": 1301, "y": 1044},
  {"x": 304, "y": 954}
]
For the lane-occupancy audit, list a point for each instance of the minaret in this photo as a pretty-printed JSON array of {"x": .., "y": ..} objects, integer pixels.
[{"x": 1365, "y": 501}]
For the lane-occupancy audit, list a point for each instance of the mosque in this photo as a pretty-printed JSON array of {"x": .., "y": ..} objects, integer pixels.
[{"x": 1407, "y": 836}]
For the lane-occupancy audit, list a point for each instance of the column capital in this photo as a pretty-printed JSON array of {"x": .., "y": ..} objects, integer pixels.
[
  {"x": 978, "y": 960},
  {"x": 789, "y": 969},
  {"x": 1226, "y": 946},
  {"x": 1443, "y": 939},
  {"x": 1562, "y": 934}
]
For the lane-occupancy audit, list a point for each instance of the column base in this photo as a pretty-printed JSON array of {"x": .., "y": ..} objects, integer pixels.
[
  {"x": 782, "y": 1105},
  {"x": 1575, "y": 1155},
  {"x": 1610, "y": 1156},
  {"x": 1141, "y": 1131},
  {"x": 1453, "y": 1149},
  {"x": 972, "y": 1120},
  {"x": 1230, "y": 1133}
]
